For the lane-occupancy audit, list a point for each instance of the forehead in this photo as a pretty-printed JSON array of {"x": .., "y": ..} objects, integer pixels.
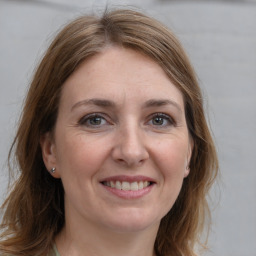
[{"x": 120, "y": 73}]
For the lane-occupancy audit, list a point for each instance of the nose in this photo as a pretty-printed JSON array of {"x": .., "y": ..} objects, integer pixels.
[{"x": 130, "y": 147}]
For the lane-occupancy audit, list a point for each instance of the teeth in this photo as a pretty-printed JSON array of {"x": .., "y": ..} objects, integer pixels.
[
  {"x": 141, "y": 183},
  {"x": 118, "y": 185},
  {"x": 145, "y": 184},
  {"x": 134, "y": 186},
  {"x": 125, "y": 185},
  {"x": 112, "y": 184}
]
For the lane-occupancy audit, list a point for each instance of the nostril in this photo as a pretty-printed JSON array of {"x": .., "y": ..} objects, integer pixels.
[{"x": 120, "y": 160}]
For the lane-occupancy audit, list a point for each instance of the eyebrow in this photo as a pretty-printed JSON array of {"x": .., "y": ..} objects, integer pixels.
[
  {"x": 111, "y": 104},
  {"x": 161, "y": 102},
  {"x": 97, "y": 102}
]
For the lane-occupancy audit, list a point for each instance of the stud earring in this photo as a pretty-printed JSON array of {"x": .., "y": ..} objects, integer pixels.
[{"x": 53, "y": 170}]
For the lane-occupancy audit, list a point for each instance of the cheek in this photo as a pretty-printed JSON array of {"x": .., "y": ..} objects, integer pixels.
[
  {"x": 171, "y": 163},
  {"x": 80, "y": 155},
  {"x": 172, "y": 156}
]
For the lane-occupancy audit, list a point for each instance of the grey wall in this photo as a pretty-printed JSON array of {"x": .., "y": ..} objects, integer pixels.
[{"x": 220, "y": 39}]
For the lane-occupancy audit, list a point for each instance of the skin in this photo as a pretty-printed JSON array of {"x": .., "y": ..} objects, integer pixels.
[{"x": 139, "y": 129}]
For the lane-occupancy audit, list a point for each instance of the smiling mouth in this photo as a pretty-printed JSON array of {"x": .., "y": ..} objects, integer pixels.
[{"x": 127, "y": 186}]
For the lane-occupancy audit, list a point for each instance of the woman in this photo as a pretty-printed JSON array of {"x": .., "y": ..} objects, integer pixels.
[{"x": 113, "y": 148}]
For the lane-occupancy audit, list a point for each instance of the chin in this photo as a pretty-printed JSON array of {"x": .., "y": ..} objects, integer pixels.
[{"x": 132, "y": 222}]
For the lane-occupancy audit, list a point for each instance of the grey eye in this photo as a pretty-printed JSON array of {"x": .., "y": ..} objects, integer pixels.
[
  {"x": 93, "y": 120},
  {"x": 97, "y": 120},
  {"x": 161, "y": 119},
  {"x": 158, "y": 120}
]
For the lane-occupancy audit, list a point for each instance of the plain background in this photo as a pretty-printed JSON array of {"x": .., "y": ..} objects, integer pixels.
[{"x": 220, "y": 38}]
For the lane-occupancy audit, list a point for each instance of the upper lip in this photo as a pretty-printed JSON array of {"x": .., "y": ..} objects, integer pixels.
[{"x": 128, "y": 178}]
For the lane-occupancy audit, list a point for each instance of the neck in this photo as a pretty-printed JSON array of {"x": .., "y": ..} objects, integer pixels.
[{"x": 78, "y": 240}]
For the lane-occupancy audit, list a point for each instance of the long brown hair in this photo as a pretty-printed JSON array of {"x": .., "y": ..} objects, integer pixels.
[{"x": 34, "y": 209}]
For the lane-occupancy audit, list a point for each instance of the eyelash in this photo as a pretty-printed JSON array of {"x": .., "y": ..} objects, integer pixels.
[
  {"x": 89, "y": 117},
  {"x": 83, "y": 121},
  {"x": 165, "y": 117}
]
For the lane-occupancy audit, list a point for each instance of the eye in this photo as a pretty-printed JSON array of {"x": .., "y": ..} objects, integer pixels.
[
  {"x": 161, "y": 120},
  {"x": 93, "y": 120}
]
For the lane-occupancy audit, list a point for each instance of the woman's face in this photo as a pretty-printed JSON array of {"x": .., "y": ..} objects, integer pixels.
[{"x": 121, "y": 144}]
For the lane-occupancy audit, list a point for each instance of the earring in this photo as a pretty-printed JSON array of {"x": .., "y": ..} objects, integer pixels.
[{"x": 53, "y": 170}]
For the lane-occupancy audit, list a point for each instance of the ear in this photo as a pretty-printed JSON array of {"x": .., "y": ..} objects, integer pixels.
[
  {"x": 48, "y": 148},
  {"x": 189, "y": 154}
]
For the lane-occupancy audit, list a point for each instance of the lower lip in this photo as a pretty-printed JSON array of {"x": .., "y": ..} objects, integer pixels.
[{"x": 129, "y": 194}]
